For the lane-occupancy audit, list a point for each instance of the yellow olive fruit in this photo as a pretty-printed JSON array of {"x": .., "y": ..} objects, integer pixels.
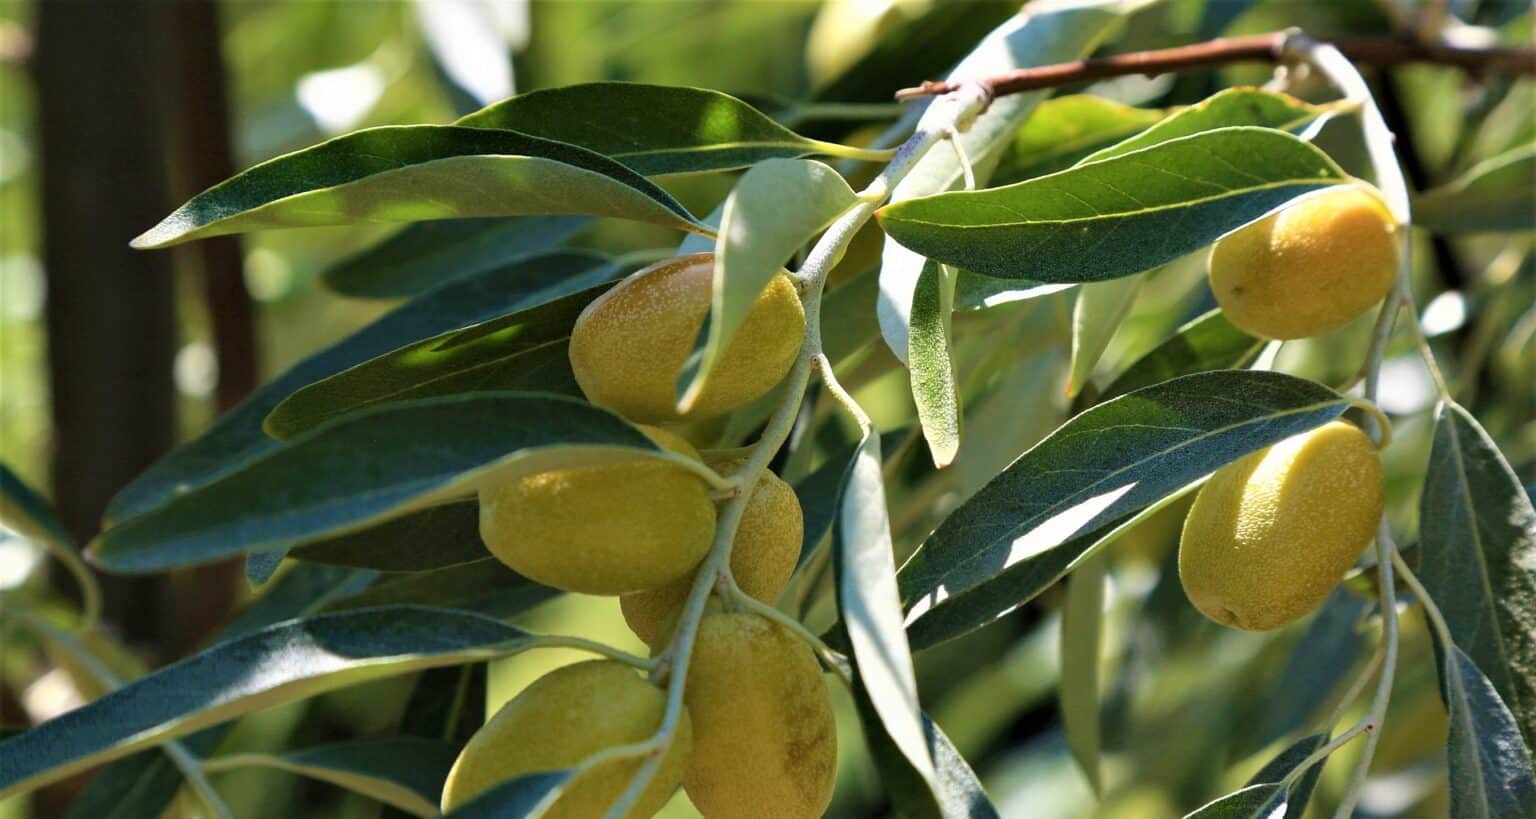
[
  {"x": 1270, "y": 535},
  {"x": 607, "y": 529},
  {"x": 764, "y": 739},
  {"x": 1310, "y": 268},
  {"x": 768, "y": 541},
  {"x": 629, "y": 346},
  {"x": 562, "y": 719}
]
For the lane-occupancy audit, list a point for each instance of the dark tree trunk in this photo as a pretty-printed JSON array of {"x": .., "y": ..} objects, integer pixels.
[
  {"x": 111, "y": 310},
  {"x": 197, "y": 119}
]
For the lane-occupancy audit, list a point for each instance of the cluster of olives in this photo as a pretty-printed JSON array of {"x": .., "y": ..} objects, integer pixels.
[
  {"x": 757, "y": 735},
  {"x": 1269, "y": 536}
]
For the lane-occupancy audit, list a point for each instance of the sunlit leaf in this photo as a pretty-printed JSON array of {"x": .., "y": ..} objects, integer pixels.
[
  {"x": 413, "y": 173},
  {"x": 934, "y": 388},
  {"x": 1226, "y": 109},
  {"x": 1097, "y": 314},
  {"x": 1119, "y": 216},
  {"x": 1032, "y": 523}
]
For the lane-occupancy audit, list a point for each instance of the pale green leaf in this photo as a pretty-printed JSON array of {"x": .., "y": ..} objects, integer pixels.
[
  {"x": 1226, "y": 109},
  {"x": 1497, "y": 195},
  {"x": 775, "y": 208},
  {"x": 1081, "y": 635},
  {"x": 405, "y": 772},
  {"x": 1065, "y": 129},
  {"x": 1100, "y": 308},
  {"x": 934, "y": 387}
]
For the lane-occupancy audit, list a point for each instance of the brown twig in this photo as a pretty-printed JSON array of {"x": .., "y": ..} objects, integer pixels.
[{"x": 1266, "y": 48}]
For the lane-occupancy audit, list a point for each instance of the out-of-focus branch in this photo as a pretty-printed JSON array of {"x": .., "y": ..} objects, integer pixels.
[{"x": 1264, "y": 48}]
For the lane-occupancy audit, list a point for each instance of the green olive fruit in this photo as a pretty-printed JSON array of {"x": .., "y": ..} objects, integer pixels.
[
  {"x": 629, "y": 346},
  {"x": 765, "y": 742},
  {"x": 1309, "y": 269},
  {"x": 766, "y": 547},
  {"x": 608, "y": 529},
  {"x": 561, "y": 720},
  {"x": 1270, "y": 535}
]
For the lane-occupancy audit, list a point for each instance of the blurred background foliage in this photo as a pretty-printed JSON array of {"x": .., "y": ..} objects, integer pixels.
[{"x": 1191, "y": 709}]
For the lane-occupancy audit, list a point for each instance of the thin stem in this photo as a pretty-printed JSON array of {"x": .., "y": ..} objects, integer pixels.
[
  {"x": 189, "y": 765},
  {"x": 90, "y": 590},
  {"x": 564, "y": 641},
  {"x": 1322, "y": 753},
  {"x": 1436, "y": 618},
  {"x": 944, "y": 115},
  {"x": 749, "y": 603},
  {"x": 1386, "y": 556},
  {"x": 1265, "y": 48}
]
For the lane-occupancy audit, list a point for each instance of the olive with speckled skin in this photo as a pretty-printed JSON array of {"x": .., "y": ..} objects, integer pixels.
[
  {"x": 629, "y": 346},
  {"x": 1270, "y": 535}
]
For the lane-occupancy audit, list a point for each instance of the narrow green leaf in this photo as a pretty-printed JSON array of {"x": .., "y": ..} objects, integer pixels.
[
  {"x": 1100, "y": 308},
  {"x": 870, "y": 607},
  {"x": 404, "y": 772},
  {"x": 1495, "y": 195},
  {"x": 1031, "y": 523},
  {"x": 956, "y": 792},
  {"x": 413, "y": 173},
  {"x": 486, "y": 587},
  {"x": 237, "y": 438},
  {"x": 1209, "y": 342},
  {"x": 758, "y": 234},
  {"x": 1477, "y": 537},
  {"x": 1252, "y": 802},
  {"x": 376, "y": 464},
  {"x": 424, "y": 255},
  {"x": 25, "y": 512},
  {"x": 1266, "y": 796},
  {"x": 1489, "y": 765},
  {"x": 1226, "y": 109},
  {"x": 144, "y": 783},
  {"x": 526, "y": 796},
  {"x": 1119, "y": 216},
  {"x": 525, "y": 350},
  {"x": 285, "y": 662},
  {"x": 1053, "y": 34},
  {"x": 821, "y": 496},
  {"x": 934, "y": 388},
  {"x": 435, "y": 538},
  {"x": 1081, "y": 628},
  {"x": 653, "y": 129},
  {"x": 1065, "y": 129}
]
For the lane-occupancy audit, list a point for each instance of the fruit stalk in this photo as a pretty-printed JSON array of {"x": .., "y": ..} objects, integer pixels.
[{"x": 944, "y": 116}]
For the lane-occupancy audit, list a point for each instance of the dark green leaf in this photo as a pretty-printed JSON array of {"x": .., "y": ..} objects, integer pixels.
[
  {"x": 821, "y": 494},
  {"x": 1210, "y": 342},
  {"x": 1266, "y": 793},
  {"x": 1477, "y": 535},
  {"x": 1320, "y": 662},
  {"x": 378, "y": 463},
  {"x": 528, "y": 795},
  {"x": 934, "y": 388},
  {"x": 285, "y": 662},
  {"x": 1252, "y": 802},
  {"x": 1489, "y": 765},
  {"x": 1228, "y": 108},
  {"x": 1287, "y": 761},
  {"x": 433, "y": 538},
  {"x": 653, "y": 129},
  {"x": 1496, "y": 195},
  {"x": 522, "y": 351},
  {"x": 446, "y": 704},
  {"x": 26, "y": 513},
  {"x": 425, "y": 255},
  {"x": 486, "y": 587},
  {"x": 237, "y": 438},
  {"x": 1119, "y": 216},
  {"x": 414, "y": 173},
  {"x": 404, "y": 772},
  {"x": 1032, "y": 523}
]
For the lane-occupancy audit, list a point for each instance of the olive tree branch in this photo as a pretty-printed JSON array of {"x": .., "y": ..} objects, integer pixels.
[
  {"x": 1264, "y": 48},
  {"x": 947, "y": 114}
]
